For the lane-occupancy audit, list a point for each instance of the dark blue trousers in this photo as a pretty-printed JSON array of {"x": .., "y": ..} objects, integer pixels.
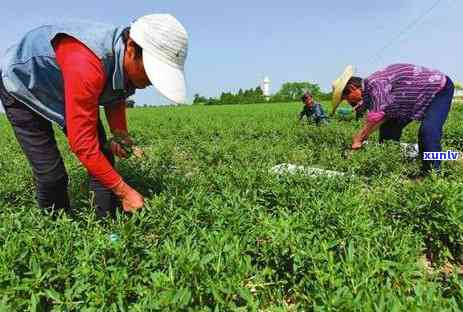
[
  {"x": 37, "y": 139},
  {"x": 430, "y": 133}
]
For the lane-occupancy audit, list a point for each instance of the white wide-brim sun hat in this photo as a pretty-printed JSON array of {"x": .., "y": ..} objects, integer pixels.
[
  {"x": 338, "y": 86},
  {"x": 165, "y": 47}
]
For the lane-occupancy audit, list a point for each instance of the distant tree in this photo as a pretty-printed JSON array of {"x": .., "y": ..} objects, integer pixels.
[
  {"x": 199, "y": 99},
  {"x": 227, "y": 98},
  {"x": 212, "y": 101},
  {"x": 292, "y": 91}
]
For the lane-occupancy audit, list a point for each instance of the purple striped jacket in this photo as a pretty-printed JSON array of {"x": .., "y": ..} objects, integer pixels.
[{"x": 402, "y": 91}]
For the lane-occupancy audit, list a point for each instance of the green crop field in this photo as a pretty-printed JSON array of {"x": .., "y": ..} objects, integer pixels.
[{"x": 220, "y": 232}]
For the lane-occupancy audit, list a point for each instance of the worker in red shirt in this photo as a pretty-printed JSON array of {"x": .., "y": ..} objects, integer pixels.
[{"x": 62, "y": 74}]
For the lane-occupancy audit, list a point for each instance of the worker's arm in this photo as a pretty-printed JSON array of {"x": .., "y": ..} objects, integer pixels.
[
  {"x": 372, "y": 122},
  {"x": 117, "y": 120},
  {"x": 84, "y": 79},
  {"x": 380, "y": 93}
]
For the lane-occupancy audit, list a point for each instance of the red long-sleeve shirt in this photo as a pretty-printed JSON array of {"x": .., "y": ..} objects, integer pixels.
[{"x": 84, "y": 80}]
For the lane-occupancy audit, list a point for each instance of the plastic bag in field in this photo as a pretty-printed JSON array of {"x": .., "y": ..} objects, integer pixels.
[
  {"x": 308, "y": 171},
  {"x": 410, "y": 150}
]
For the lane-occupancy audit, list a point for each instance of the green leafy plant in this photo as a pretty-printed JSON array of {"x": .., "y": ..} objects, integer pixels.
[{"x": 221, "y": 232}]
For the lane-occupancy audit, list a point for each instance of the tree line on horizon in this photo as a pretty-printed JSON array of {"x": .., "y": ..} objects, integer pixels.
[{"x": 289, "y": 92}]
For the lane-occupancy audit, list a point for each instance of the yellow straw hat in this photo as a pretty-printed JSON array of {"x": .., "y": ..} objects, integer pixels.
[{"x": 339, "y": 85}]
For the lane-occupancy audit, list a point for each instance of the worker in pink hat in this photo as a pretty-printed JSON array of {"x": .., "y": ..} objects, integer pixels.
[{"x": 61, "y": 74}]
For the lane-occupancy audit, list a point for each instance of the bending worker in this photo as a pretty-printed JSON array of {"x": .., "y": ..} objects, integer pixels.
[
  {"x": 312, "y": 109},
  {"x": 61, "y": 74},
  {"x": 394, "y": 97}
]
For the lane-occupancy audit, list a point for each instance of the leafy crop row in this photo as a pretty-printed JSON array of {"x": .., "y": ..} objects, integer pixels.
[{"x": 221, "y": 232}]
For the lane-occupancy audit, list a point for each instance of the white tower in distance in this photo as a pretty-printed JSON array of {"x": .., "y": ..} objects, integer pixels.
[{"x": 266, "y": 87}]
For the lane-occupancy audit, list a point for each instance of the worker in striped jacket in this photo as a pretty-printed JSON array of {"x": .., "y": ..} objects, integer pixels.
[{"x": 394, "y": 97}]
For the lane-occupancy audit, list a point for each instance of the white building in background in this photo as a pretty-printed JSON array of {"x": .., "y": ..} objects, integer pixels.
[{"x": 265, "y": 86}]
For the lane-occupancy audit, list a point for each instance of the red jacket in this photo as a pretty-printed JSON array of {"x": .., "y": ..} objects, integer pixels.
[{"x": 84, "y": 79}]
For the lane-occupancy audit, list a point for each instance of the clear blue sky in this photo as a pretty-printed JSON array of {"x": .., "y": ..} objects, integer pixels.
[{"x": 236, "y": 43}]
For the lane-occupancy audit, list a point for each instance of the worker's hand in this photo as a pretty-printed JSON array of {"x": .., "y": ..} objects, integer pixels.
[
  {"x": 120, "y": 143},
  {"x": 117, "y": 150},
  {"x": 357, "y": 142},
  {"x": 131, "y": 199}
]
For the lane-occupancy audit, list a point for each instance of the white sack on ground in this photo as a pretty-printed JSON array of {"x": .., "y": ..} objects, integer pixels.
[
  {"x": 410, "y": 150},
  {"x": 308, "y": 171}
]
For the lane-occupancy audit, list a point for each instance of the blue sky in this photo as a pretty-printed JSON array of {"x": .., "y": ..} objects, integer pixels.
[{"x": 236, "y": 43}]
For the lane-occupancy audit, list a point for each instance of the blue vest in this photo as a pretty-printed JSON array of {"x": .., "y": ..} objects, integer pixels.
[{"x": 31, "y": 75}]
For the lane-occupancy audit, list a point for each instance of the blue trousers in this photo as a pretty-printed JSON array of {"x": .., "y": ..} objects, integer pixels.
[
  {"x": 430, "y": 133},
  {"x": 37, "y": 139}
]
